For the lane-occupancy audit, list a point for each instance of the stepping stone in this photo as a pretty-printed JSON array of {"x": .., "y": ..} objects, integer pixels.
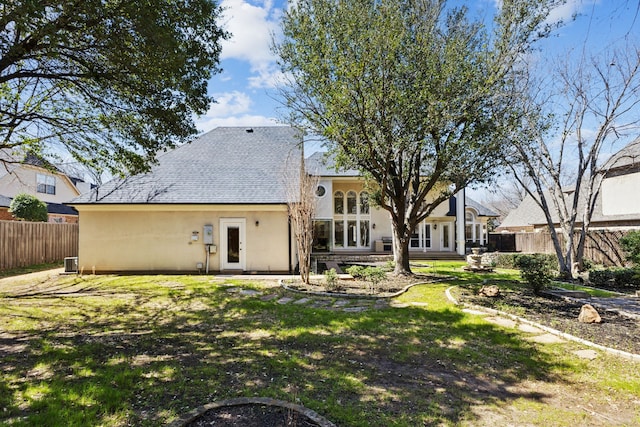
[
  {"x": 354, "y": 309},
  {"x": 530, "y": 329},
  {"x": 586, "y": 354},
  {"x": 476, "y": 312},
  {"x": 418, "y": 304},
  {"x": 269, "y": 297},
  {"x": 545, "y": 339},
  {"x": 341, "y": 303},
  {"x": 507, "y": 323},
  {"x": 285, "y": 300},
  {"x": 302, "y": 301},
  {"x": 249, "y": 292},
  {"x": 233, "y": 290},
  {"x": 399, "y": 305}
]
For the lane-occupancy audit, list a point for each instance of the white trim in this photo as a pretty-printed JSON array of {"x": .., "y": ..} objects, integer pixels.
[{"x": 225, "y": 224}]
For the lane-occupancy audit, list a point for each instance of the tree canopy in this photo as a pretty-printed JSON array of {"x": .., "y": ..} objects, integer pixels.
[
  {"x": 412, "y": 93},
  {"x": 111, "y": 82}
]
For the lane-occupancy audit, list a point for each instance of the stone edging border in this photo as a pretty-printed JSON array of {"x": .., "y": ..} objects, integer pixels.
[
  {"x": 363, "y": 296},
  {"x": 632, "y": 356},
  {"x": 192, "y": 415}
]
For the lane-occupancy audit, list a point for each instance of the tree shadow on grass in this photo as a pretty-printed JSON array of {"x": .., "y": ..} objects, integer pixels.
[{"x": 156, "y": 354}]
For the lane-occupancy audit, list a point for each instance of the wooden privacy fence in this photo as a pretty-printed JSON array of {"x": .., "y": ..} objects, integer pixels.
[
  {"x": 28, "y": 243},
  {"x": 601, "y": 247}
]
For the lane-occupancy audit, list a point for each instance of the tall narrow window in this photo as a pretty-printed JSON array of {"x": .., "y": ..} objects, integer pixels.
[
  {"x": 364, "y": 202},
  {"x": 338, "y": 202},
  {"x": 352, "y": 203}
]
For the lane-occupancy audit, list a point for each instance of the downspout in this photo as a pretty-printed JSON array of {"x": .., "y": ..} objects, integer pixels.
[
  {"x": 460, "y": 223},
  {"x": 290, "y": 248}
]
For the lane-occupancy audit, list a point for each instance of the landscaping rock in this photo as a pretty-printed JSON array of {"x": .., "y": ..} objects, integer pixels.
[
  {"x": 491, "y": 291},
  {"x": 588, "y": 314}
]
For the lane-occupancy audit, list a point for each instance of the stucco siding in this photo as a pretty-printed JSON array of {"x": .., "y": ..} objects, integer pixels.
[{"x": 149, "y": 238}]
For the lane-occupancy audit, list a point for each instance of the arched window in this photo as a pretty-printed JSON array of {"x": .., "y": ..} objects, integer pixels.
[
  {"x": 364, "y": 202},
  {"x": 352, "y": 204},
  {"x": 338, "y": 202}
]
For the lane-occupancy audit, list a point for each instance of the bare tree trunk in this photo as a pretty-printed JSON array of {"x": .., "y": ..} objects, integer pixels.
[{"x": 301, "y": 196}]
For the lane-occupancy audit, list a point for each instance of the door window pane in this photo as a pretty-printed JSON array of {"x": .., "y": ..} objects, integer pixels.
[
  {"x": 364, "y": 233},
  {"x": 427, "y": 235},
  {"x": 352, "y": 231},
  {"x": 233, "y": 244},
  {"x": 445, "y": 236},
  {"x": 339, "y": 234}
]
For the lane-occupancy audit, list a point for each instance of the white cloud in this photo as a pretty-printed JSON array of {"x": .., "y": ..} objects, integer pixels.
[
  {"x": 231, "y": 109},
  {"x": 229, "y": 103},
  {"x": 252, "y": 29},
  {"x": 566, "y": 11}
]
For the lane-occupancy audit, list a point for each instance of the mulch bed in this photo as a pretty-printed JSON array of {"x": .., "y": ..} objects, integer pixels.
[
  {"x": 252, "y": 415},
  {"x": 615, "y": 331},
  {"x": 356, "y": 287}
]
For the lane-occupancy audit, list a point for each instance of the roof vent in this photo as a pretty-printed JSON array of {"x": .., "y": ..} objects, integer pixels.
[{"x": 249, "y": 130}]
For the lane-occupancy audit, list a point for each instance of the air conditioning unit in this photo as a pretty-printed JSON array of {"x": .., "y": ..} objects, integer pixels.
[{"x": 71, "y": 264}]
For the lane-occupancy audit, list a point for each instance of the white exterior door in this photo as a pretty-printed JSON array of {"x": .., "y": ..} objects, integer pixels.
[{"x": 232, "y": 243}]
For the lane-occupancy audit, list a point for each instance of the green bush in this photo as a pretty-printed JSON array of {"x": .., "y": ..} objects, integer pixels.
[
  {"x": 631, "y": 245},
  {"x": 355, "y": 270},
  {"x": 28, "y": 208},
  {"x": 331, "y": 280},
  {"x": 615, "y": 278},
  {"x": 536, "y": 270},
  {"x": 375, "y": 275}
]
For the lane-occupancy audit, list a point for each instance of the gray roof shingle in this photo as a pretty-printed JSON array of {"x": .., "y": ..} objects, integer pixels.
[{"x": 228, "y": 165}]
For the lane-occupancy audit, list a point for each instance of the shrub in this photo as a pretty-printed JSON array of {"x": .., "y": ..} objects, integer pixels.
[
  {"x": 509, "y": 260},
  {"x": 631, "y": 245},
  {"x": 28, "y": 208},
  {"x": 615, "y": 278},
  {"x": 331, "y": 280},
  {"x": 355, "y": 270},
  {"x": 375, "y": 275},
  {"x": 535, "y": 270}
]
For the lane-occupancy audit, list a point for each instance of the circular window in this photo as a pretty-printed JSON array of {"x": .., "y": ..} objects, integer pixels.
[{"x": 320, "y": 191}]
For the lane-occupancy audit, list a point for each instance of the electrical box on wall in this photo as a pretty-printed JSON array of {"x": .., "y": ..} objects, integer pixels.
[{"x": 208, "y": 234}]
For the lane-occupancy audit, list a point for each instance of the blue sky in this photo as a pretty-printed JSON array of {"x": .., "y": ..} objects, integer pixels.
[{"x": 245, "y": 90}]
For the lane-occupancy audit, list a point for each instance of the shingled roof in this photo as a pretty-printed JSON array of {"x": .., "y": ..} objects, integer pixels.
[{"x": 228, "y": 165}]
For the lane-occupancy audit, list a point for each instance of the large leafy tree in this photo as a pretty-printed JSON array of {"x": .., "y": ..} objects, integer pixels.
[
  {"x": 411, "y": 92},
  {"x": 109, "y": 81}
]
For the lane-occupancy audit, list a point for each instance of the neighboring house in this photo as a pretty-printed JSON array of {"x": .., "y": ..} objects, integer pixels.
[
  {"x": 34, "y": 176},
  {"x": 617, "y": 205},
  {"x": 5, "y": 202},
  {"x": 345, "y": 222},
  {"x": 220, "y": 204}
]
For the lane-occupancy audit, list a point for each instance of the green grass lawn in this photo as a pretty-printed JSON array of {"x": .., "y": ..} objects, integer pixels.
[{"x": 142, "y": 350}]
